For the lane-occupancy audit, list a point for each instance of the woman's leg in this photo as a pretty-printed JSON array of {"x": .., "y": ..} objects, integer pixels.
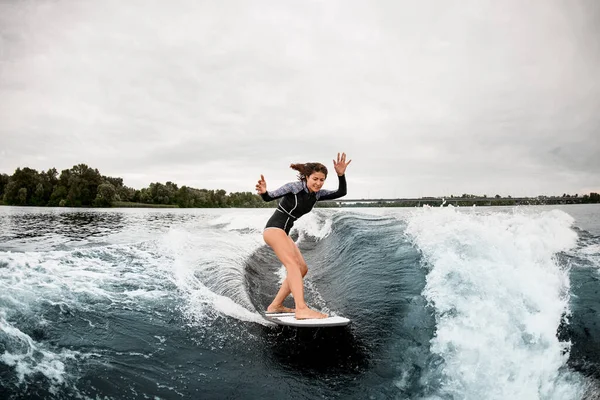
[
  {"x": 287, "y": 252},
  {"x": 284, "y": 291}
]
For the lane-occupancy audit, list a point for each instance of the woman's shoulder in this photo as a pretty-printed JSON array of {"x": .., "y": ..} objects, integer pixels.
[
  {"x": 290, "y": 187},
  {"x": 295, "y": 186}
]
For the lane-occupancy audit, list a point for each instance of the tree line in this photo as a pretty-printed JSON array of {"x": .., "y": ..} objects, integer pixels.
[{"x": 82, "y": 186}]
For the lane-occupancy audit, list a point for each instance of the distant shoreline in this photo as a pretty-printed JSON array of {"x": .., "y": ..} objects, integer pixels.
[
  {"x": 464, "y": 201},
  {"x": 375, "y": 203},
  {"x": 82, "y": 186}
]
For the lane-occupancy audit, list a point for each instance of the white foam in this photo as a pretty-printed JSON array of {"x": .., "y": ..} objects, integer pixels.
[
  {"x": 593, "y": 249},
  {"x": 498, "y": 295},
  {"x": 314, "y": 224},
  {"x": 65, "y": 276},
  {"x": 240, "y": 219},
  {"x": 591, "y": 253},
  {"x": 29, "y": 357},
  {"x": 207, "y": 266},
  {"x": 84, "y": 279}
]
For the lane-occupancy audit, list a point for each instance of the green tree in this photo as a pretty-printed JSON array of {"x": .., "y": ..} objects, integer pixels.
[
  {"x": 4, "y": 179},
  {"x": 22, "y": 197},
  {"x": 49, "y": 180},
  {"x": 58, "y": 196},
  {"x": 185, "y": 197},
  {"x": 125, "y": 193},
  {"x": 159, "y": 193},
  {"x": 591, "y": 198},
  {"x": 218, "y": 198},
  {"x": 105, "y": 195},
  {"x": 201, "y": 198},
  {"x": 145, "y": 196},
  {"x": 116, "y": 182},
  {"x": 25, "y": 178},
  {"x": 82, "y": 184},
  {"x": 244, "y": 199},
  {"x": 38, "y": 198}
]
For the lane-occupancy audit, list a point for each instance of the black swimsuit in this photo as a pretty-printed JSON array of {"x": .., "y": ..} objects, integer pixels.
[{"x": 296, "y": 201}]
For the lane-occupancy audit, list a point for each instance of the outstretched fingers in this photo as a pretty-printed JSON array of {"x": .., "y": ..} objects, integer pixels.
[{"x": 341, "y": 159}]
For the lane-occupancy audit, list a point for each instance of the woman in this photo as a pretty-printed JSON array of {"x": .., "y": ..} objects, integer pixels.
[{"x": 297, "y": 199}]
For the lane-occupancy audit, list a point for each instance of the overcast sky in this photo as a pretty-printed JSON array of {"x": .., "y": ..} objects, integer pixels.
[{"x": 428, "y": 98}]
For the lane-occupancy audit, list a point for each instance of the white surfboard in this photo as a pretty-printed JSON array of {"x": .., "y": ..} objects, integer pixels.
[{"x": 288, "y": 319}]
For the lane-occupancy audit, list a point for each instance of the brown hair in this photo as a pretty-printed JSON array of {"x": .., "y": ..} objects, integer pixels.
[{"x": 305, "y": 170}]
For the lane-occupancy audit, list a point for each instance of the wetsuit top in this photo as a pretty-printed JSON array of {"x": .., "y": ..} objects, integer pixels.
[{"x": 297, "y": 200}]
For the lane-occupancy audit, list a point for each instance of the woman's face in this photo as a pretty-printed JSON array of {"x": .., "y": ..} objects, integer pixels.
[{"x": 315, "y": 181}]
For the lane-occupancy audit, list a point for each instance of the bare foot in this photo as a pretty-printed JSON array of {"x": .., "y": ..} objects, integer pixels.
[
  {"x": 279, "y": 309},
  {"x": 307, "y": 313}
]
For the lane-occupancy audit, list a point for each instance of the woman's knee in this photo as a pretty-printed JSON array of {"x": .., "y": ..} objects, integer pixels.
[
  {"x": 302, "y": 265},
  {"x": 303, "y": 268},
  {"x": 297, "y": 264}
]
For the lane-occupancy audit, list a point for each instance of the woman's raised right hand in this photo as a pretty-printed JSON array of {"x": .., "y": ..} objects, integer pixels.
[{"x": 261, "y": 186}]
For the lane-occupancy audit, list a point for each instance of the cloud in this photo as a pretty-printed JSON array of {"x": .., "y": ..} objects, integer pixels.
[{"x": 428, "y": 98}]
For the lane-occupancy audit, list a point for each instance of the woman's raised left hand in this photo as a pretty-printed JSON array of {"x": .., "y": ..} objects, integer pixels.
[{"x": 341, "y": 164}]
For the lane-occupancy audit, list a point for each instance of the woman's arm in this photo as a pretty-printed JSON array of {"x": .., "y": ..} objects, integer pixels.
[
  {"x": 292, "y": 187},
  {"x": 334, "y": 194},
  {"x": 340, "y": 167},
  {"x": 261, "y": 189}
]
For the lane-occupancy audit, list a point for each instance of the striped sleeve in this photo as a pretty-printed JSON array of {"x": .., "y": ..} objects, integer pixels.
[{"x": 292, "y": 187}]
